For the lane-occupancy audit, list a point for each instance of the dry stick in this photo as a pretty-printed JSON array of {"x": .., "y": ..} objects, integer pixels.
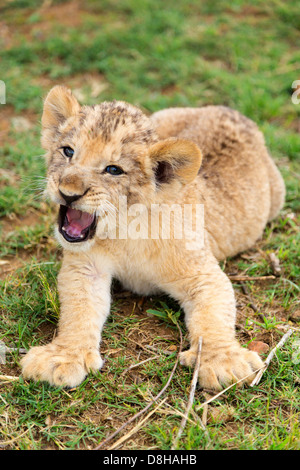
[
  {"x": 137, "y": 415},
  {"x": 251, "y": 303},
  {"x": 191, "y": 396},
  {"x": 258, "y": 376},
  {"x": 246, "y": 292},
  {"x": 137, "y": 427},
  {"x": 225, "y": 390},
  {"x": 20, "y": 350},
  {"x": 153, "y": 348},
  {"x": 249, "y": 278},
  {"x": 139, "y": 364},
  {"x": 175, "y": 412},
  {"x": 9, "y": 378}
]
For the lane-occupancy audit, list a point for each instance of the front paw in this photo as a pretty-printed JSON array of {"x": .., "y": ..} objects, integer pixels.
[
  {"x": 222, "y": 366},
  {"x": 59, "y": 365}
]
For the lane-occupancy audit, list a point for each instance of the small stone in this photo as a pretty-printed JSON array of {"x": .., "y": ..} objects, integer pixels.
[
  {"x": 295, "y": 316},
  {"x": 275, "y": 264},
  {"x": 259, "y": 347}
]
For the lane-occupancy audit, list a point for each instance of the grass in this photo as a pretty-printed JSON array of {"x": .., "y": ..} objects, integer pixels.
[{"x": 241, "y": 54}]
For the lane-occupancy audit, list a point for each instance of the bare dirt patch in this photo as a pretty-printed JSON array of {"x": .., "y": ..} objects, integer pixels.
[
  {"x": 12, "y": 224},
  {"x": 10, "y": 120},
  {"x": 69, "y": 14},
  {"x": 7, "y": 112}
]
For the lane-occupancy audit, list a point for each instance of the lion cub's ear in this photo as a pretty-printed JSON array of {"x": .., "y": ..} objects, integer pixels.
[
  {"x": 59, "y": 105},
  {"x": 175, "y": 159}
]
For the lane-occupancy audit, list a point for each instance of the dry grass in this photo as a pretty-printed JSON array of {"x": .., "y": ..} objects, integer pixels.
[{"x": 240, "y": 55}]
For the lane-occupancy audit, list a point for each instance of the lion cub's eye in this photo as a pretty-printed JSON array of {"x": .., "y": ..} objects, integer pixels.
[
  {"x": 68, "y": 151},
  {"x": 114, "y": 170}
]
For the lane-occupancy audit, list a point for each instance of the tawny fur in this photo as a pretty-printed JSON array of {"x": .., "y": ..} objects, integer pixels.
[{"x": 237, "y": 182}]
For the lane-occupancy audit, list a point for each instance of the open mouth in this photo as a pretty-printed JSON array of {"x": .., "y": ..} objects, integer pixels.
[{"x": 75, "y": 225}]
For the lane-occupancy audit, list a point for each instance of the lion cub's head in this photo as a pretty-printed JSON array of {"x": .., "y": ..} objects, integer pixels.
[{"x": 96, "y": 154}]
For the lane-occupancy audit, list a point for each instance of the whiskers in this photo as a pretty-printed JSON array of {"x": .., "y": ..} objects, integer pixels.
[
  {"x": 107, "y": 208},
  {"x": 34, "y": 186},
  {"x": 107, "y": 217}
]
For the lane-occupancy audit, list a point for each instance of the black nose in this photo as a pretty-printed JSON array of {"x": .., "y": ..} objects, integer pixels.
[{"x": 69, "y": 199}]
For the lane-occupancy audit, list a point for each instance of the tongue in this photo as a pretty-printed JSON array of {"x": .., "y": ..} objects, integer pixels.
[{"x": 77, "y": 222}]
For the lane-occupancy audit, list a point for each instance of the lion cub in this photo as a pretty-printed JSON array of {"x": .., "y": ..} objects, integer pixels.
[{"x": 108, "y": 164}]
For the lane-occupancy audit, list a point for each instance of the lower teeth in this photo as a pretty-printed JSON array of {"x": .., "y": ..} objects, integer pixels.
[{"x": 80, "y": 236}]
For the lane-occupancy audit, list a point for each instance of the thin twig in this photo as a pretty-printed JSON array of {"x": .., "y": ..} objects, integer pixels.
[
  {"x": 164, "y": 351},
  {"x": 251, "y": 303},
  {"x": 19, "y": 350},
  {"x": 137, "y": 415},
  {"x": 153, "y": 348},
  {"x": 249, "y": 278},
  {"x": 9, "y": 378},
  {"x": 259, "y": 375},
  {"x": 139, "y": 364},
  {"x": 137, "y": 427},
  {"x": 192, "y": 394},
  {"x": 246, "y": 292},
  {"x": 225, "y": 390},
  {"x": 175, "y": 412}
]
